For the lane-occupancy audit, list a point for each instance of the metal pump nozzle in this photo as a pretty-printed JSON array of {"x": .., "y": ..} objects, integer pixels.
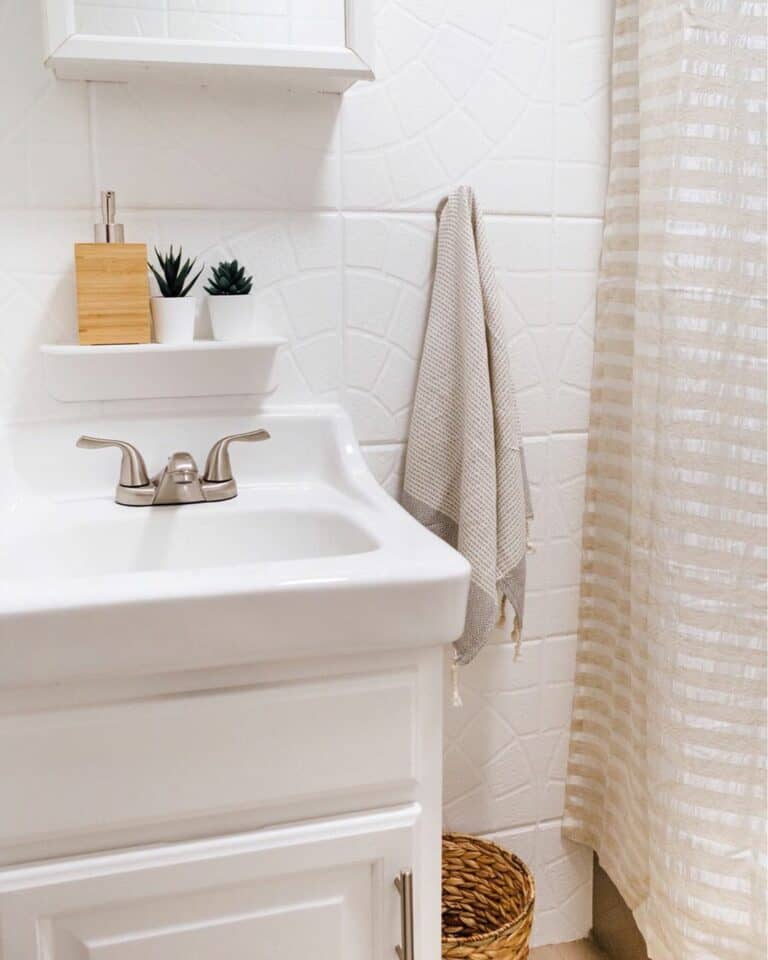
[{"x": 108, "y": 231}]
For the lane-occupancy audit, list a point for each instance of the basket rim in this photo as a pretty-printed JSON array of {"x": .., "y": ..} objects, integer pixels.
[{"x": 515, "y": 921}]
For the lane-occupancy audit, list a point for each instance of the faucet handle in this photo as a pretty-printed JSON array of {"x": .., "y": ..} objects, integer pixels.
[
  {"x": 133, "y": 471},
  {"x": 218, "y": 468}
]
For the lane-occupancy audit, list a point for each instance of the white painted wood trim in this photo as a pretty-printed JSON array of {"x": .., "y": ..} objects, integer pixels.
[
  {"x": 58, "y": 23},
  {"x": 313, "y": 832},
  {"x": 151, "y": 50},
  {"x": 359, "y": 31}
]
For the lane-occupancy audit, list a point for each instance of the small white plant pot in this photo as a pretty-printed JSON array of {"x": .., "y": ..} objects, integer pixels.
[
  {"x": 173, "y": 319},
  {"x": 236, "y": 317}
]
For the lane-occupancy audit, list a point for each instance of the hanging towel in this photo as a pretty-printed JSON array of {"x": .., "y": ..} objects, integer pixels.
[{"x": 464, "y": 470}]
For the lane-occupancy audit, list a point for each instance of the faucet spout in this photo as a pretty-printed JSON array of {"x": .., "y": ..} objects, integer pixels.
[
  {"x": 178, "y": 481},
  {"x": 182, "y": 468}
]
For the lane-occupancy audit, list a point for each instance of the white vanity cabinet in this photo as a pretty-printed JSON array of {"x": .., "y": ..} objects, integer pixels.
[
  {"x": 220, "y": 723},
  {"x": 249, "y": 813}
]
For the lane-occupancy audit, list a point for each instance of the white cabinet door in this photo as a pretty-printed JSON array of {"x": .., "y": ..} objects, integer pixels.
[{"x": 319, "y": 891}]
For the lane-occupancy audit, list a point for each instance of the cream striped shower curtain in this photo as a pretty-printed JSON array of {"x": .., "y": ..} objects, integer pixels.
[{"x": 667, "y": 779}]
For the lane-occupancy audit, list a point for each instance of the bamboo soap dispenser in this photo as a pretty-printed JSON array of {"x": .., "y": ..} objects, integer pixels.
[{"x": 112, "y": 284}]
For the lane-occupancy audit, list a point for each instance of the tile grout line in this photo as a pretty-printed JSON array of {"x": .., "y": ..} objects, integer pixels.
[
  {"x": 528, "y": 438},
  {"x": 344, "y": 388},
  {"x": 287, "y": 211},
  {"x": 92, "y": 140},
  {"x": 555, "y": 67},
  {"x": 556, "y": 71},
  {"x": 531, "y": 825},
  {"x": 489, "y": 213}
]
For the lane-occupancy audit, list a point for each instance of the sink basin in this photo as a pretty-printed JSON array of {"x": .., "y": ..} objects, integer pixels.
[
  {"x": 94, "y": 540},
  {"x": 312, "y": 557}
]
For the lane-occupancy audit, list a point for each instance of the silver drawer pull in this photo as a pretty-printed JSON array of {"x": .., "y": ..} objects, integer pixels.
[{"x": 404, "y": 884}]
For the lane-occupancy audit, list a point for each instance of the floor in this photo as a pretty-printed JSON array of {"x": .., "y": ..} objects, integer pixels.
[
  {"x": 613, "y": 925},
  {"x": 614, "y": 929},
  {"x": 577, "y": 950}
]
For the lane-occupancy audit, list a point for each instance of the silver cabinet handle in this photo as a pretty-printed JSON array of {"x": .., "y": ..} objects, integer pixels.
[
  {"x": 404, "y": 884},
  {"x": 133, "y": 471},
  {"x": 218, "y": 467}
]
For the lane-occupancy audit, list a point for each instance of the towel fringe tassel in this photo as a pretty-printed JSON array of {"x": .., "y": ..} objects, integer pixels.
[
  {"x": 516, "y": 633},
  {"x": 517, "y": 638},
  {"x": 502, "y": 618}
]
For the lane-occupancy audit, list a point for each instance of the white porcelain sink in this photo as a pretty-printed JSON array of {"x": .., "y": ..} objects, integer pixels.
[
  {"x": 92, "y": 540},
  {"x": 311, "y": 557}
]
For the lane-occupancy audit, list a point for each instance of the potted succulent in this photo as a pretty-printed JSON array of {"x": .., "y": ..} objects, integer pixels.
[
  {"x": 231, "y": 303},
  {"x": 173, "y": 315}
]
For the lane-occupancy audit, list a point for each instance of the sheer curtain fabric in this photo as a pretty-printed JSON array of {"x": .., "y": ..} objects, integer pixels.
[{"x": 666, "y": 778}]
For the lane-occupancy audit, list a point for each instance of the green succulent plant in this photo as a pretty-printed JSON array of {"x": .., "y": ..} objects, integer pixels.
[
  {"x": 173, "y": 279},
  {"x": 228, "y": 280}
]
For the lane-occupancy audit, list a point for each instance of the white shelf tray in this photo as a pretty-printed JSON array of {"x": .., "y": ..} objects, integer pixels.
[{"x": 202, "y": 368}]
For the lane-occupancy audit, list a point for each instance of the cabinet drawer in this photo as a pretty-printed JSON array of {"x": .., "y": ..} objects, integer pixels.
[
  {"x": 321, "y": 890},
  {"x": 85, "y": 778}
]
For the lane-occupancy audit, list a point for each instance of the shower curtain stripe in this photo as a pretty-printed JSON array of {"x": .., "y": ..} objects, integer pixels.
[{"x": 667, "y": 774}]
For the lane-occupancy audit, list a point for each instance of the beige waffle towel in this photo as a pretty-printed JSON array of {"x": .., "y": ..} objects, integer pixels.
[{"x": 464, "y": 470}]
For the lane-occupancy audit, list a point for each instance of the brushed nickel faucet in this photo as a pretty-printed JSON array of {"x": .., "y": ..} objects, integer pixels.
[{"x": 179, "y": 481}]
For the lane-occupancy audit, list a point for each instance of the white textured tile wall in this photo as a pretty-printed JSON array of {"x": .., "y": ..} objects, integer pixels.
[
  {"x": 331, "y": 202},
  {"x": 194, "y": 148},
  {"x": 563, "y": 872},
  {"x": 511, "y": 98}
]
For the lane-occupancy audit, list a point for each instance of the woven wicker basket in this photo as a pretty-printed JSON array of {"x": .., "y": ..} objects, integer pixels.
[{"x": 488, "y": 897}]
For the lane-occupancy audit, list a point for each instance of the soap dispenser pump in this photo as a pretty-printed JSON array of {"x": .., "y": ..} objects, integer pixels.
[
  {"x": 108, "y": 231},
  {"x": 112, "y": 284}
]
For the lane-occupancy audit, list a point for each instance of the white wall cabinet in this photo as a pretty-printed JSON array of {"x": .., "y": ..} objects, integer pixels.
[
  {"x": 256, "y": 813},
  {"x": 327, "y": 50}
]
